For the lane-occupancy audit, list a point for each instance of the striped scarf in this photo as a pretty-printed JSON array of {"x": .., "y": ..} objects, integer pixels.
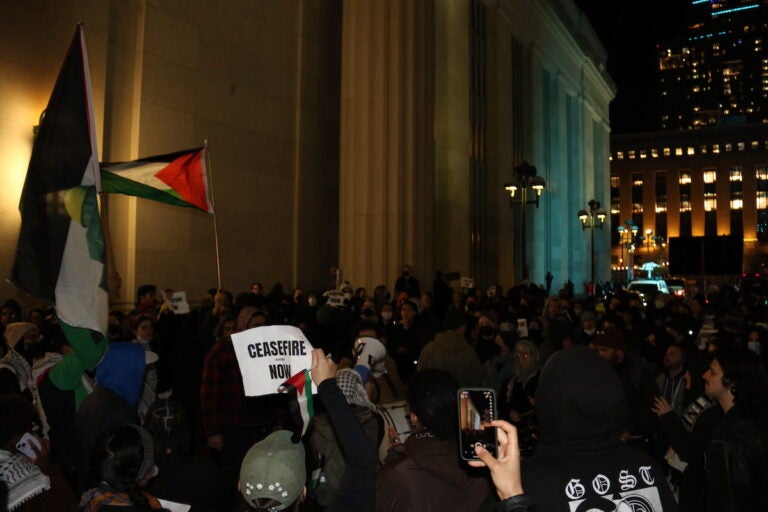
[{"x": 24, "y": 479}]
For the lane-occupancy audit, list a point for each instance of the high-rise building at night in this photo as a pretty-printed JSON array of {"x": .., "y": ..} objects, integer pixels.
[{"x": 718, "y": 72}]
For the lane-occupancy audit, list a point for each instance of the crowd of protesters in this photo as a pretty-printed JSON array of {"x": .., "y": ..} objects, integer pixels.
[{"x": 654, "y": 402}]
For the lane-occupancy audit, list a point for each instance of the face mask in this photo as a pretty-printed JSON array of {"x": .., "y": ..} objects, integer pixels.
[
  {"x": 347, "y": 296},
  {"x": 312, "y": 301},
  {"x": 486, "y": 331},
  {"x": 143, "y": 341},
  {"x": 386, "y": 316},
  {"x": 589, "y": 331},
  {"x": 754, "y": 346},
  {"x": 659, "y": 304}
]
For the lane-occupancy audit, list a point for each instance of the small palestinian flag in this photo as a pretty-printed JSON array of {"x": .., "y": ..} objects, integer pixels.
[
  {"x": 302, "y": 409},
  {"x": 178, "y": 179}
]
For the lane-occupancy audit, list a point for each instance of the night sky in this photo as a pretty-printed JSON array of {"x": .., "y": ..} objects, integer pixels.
[{"x": 630, "y": 32}]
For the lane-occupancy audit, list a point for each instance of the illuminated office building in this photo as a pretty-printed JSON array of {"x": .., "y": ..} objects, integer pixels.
[
  {"x": 717, "y": 73},
  {"x": 706, "y": 182}
]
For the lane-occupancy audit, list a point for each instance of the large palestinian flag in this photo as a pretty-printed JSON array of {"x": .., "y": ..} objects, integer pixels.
[
  {"x": 178, "y": 179},
  {"x": 60, "y": 252}
]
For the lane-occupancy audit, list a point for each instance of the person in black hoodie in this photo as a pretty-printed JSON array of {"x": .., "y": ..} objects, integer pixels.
[{"x": 580, "y": 464}]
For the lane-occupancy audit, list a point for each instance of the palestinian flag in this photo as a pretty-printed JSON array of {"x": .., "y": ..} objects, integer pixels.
[
  {"x": 177, "y": 179},
  {"x": 302, "y": 408},
  {"x": 60, "y": 252}
]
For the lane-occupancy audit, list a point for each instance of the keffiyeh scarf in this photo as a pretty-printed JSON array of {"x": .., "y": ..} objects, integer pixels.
[
  {"x": 351, "y": 385},
  {"x": 24, "y": 479}
]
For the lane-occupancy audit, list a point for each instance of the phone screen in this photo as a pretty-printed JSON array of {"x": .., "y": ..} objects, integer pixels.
[{"x": 477, "y": 409}]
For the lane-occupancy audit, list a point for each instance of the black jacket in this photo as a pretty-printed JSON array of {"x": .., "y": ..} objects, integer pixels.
[
  {"x": 579, "y": 463},
  {"x": 736, "y": 467}
]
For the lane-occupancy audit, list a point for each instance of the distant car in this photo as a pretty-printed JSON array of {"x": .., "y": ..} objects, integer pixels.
[
  {"x": 676, "y": 286},
  {"x": 647, "y": 289}
]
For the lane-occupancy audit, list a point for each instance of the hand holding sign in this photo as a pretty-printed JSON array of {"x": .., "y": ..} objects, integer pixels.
[{"x": 323, "y": 367}]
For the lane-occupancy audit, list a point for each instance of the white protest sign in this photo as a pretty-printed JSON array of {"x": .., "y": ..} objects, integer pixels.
[
  {"x": 467, "y": 282},
  {"x": 270, "y": 355},
  {"x": 179, "y": 303}
]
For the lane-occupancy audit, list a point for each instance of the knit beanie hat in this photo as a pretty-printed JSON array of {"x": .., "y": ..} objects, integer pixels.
[{"x": 16, "y": 331}]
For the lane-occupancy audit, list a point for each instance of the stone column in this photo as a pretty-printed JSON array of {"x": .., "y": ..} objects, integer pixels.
[{"x": 386, "y": 162}]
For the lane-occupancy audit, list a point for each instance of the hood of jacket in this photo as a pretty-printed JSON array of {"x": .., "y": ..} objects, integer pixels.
[
  {"x": 580, "y": 400},
  {"x": 122, "y": 370},
  {"x": 452, "y": 341}
]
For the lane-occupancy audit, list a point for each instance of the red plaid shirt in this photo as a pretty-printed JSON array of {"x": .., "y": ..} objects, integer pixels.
[{"x": 222, "y": 395}]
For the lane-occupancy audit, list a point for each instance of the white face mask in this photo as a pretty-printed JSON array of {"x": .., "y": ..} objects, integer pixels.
[
  {"x": 386, "y": 316},
  {"x": 312, "y": 301},
  {"x": 590, "y": 331},
  {"x": 347, "y": 296},
  {"x": 754, "y": 346}
]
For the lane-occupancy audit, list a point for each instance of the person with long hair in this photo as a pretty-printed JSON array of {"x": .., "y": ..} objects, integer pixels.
[
  {"x": 736, "y": 471},
  {"x": 517, "y": 394},
  {"x": 125, "y": 462}
]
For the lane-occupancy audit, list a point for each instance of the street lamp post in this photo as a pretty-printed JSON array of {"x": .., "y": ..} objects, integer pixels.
[
  {"x": 622, "y": 231},
  {"x": 526, "y": 184},
  {"x": 592, "y": 219}
]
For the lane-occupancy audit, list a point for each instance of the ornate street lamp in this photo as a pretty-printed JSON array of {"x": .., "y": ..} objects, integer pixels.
[
  {"x": 525, "y": 190},
  {"x": 592, "y": 219}
]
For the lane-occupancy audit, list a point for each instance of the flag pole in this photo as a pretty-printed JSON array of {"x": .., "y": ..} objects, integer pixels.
[
  {"x": 215, "y": 219},
  {"x": 113, "y": 283}
]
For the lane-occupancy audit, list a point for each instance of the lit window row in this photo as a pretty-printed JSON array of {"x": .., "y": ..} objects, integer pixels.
[{"x": 715, "y": 149}]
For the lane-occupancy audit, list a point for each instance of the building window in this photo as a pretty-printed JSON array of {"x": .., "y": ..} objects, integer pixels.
[
  {"x": 762, "y": 203},
  {"x": 631, "y": 154},
  {"x": 710, "y": 176},
  {"x": 740, "y": 146},
  {"x": 637, "y": 193},
  {"x": 615, "y": 183},
  {"x": 737, "y": 203},
  {"x": 655, "y": 153},
  {"x": 660, "y": 199},
  {"x": 716, "y": 149},
  {"x": 710, "y": 201},
  {"x": 690, "y": 151},
  {"x": 678, "y": 151},
  {"x": 703, "y": 150},
  {"x": 685, "y": 203},
  {"x": 620, "y": 155},
  {"x": 667, "y": 152},
  {"x": 661, "y": 192}
]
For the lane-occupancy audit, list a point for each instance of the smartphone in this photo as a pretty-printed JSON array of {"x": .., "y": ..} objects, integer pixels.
[
  {"x": 477, "y": 409},
  {"x": 24, "y": 445}
]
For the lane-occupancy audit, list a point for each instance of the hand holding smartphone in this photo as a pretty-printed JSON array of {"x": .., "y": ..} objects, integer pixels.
[
  {"x": 477, "y": 409},
  {"x": 27, "y": 444}
]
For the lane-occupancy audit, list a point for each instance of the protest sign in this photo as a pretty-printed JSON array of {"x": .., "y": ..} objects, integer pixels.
[
  {"x": 179, "y": 304},
  {"x": 270, "y": 355}
]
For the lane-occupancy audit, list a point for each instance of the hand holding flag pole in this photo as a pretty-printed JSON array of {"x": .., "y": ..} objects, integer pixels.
[{"x": 299, "y": 386}]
